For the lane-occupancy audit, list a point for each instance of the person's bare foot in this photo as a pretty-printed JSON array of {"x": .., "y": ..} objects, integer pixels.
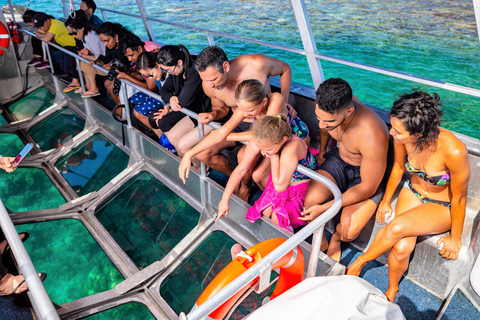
[
  {"x": 356, "y": 267},
  {"x": 391, "y": 294},
  {"x": 4, "y": 243},
  {"x": 334, "y": 251}
]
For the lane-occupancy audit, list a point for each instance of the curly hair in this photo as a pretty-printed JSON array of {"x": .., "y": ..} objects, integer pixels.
[
  {"x": 211, "y": 56},
  {"x": 333, "y": 95},
  {"x": 272, "y": 129},
  {"x": 420, "y": 113}
]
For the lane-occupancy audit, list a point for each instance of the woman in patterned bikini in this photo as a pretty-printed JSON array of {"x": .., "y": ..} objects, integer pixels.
[{"x": 433, "y": 200}]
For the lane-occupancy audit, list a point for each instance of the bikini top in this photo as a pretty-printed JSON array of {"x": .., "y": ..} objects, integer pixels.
[
  {"x": 308, "y": 160},
  {"x": 435, "y": 180}
]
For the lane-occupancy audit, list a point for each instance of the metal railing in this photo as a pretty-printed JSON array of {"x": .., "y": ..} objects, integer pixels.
[
  {"x": 263, "y": 268},
  {"x": 41, "y": 302},
  {"x": 309, "y": 51}
]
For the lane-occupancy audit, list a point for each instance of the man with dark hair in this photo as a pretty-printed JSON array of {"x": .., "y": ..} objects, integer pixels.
[
  {"x": 220, "y": 78},
  {"x": 89, "y": 7},
  {"x": 55, "y": 30},
  {"x": 357, "y": 164},
  {"x": 132, "y": 46}
]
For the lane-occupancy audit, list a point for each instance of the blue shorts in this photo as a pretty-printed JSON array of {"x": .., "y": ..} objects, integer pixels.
[{"x": 144, "y": 104}]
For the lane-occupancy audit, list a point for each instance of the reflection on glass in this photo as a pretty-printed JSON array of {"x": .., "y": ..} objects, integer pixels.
[
  {"x": 33, "y": 104},
  {"x": 92, "y": 164},
  {"x": 129, "y": 311},
  {"x": 57, "y": 129},
  {"x": 147, "y": 219}
]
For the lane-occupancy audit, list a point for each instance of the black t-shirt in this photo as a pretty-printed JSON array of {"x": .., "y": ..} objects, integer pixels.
[{"x": 189, "y": 91}]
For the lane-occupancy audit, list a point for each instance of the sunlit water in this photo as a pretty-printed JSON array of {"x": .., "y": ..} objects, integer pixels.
[{"x": 434, "y": 39}]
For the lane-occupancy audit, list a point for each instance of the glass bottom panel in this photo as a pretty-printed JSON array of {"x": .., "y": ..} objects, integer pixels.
[
  {"x": 28, "y": 189},
  {"x": 92, "y": 164},
  {"x": 11, "y": 144},
  {"x": 31, "y": 105},
  {"x": 129, "y": 311},
  {"x": 184, "y": 285},
  {"x": 76, "y": 265},
  {"x": 147, "y": 219},
  {"x": 2, "y": 120},
  {"x": 57, "y": 129}
]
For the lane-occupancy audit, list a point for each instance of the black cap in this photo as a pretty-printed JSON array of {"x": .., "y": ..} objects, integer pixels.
[{"x": 39, "y": 19}]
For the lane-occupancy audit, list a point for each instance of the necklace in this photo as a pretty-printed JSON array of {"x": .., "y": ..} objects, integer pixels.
[{"x": 354, "y": 114}]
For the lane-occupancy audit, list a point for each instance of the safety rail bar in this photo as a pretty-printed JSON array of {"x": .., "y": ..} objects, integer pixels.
[
  {"x": 264, "y": 266},
  {"x": 41, "y": 302},
  {"x": 315, "y": 227},
  {"x": 346, "y": 62}
]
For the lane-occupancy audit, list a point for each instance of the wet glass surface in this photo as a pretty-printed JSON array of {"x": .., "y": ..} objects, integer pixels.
[
  {"x": 129, "y": 311},
  {"x": 147, "y": 219},
  {"x": 57, "y": 129},
  {"x": 92, "y": 164},
  {"x": 75, "y": 264},
  {"x": 31, "y": 105}
]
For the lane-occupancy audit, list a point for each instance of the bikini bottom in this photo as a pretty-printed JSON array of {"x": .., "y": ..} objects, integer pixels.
[{"x": 408, "y": 185}]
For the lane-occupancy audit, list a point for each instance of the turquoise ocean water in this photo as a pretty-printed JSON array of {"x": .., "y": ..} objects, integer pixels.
[{"x": 433, "y": 39}]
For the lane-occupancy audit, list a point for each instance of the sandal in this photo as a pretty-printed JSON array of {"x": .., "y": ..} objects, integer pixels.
[
  {"x": 70, "y": 87},
  {"x": 90, "y": 94},
  {"x": 79, "y": 90},
  {"x": 25, "y": 238},
  {"x": 10, "y": 281}
]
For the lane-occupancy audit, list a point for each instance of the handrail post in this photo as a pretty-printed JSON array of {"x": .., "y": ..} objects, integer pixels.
[
  {"x": 66, "y": 8},
  {"x": 79, "y": 68},
  {"x": 104, "y": 15},
  {"x": 146, "y": 22},
  {"x": 42, "y": 302},
  {"x": 133, "y": 142},
  {"x": 11, "y": 11},
  {"x": 315, "y": 252},
  {"x": 211, "y": 41},
  {"x": 303, "y": 22},
  {"x": 476, "y": 8},
  {"x": 203, "y": 174}
]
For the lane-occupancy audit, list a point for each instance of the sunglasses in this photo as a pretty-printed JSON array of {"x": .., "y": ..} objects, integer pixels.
[{"x": 73, "y": 33}]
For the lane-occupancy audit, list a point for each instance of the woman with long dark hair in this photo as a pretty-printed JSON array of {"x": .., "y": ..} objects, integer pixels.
[
  {"x": 433, "y": 200},
  {"x": 93, "y": 47},
  {"x": 182, "y": 89},
  {"x": 111, "y": 34}
]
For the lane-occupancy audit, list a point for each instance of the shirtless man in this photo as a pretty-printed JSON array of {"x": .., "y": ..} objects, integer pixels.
[
  {"x": 356, "y": 164},
  {"x": 220, "y": 79}
]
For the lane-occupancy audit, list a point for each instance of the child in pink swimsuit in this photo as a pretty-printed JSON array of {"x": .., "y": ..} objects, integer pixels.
[{"x": 283, "y": 198}]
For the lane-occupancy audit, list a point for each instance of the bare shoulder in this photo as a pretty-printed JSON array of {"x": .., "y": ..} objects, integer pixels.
[
  {"x": 371, "y": 126},
  {"x": 453, "y": 147}
]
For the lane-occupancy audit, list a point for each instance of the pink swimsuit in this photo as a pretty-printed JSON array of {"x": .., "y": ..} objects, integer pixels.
[{"x": 287, "y": 205}]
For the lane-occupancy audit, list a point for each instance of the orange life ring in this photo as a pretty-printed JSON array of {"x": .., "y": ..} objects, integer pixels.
[
  {"x": 4, "y": 39},
  {"x": 292, "y": 267}
]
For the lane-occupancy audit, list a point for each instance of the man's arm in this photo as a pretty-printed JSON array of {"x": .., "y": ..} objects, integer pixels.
[
  {"x": 219, "y": 108},
  {"x": 48, "y": 37}
]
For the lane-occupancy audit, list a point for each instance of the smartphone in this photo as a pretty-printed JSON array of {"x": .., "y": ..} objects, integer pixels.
[{"x": 21, "y": 155}]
